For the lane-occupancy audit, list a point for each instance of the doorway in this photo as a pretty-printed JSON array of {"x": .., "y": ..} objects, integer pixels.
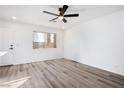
[{"x": 7, "y": 53}]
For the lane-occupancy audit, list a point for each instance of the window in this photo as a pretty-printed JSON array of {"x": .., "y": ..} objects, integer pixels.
[{"x": 44, "y": 40}]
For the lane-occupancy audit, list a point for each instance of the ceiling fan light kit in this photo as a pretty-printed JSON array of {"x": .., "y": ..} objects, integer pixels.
[{"x": 61, "y": 15}]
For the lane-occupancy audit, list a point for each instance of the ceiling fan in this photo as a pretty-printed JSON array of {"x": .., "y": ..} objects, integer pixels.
[{"x": 61, "y": 14}]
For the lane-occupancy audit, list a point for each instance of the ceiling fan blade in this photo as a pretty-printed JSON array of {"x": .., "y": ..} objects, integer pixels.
[
  {"x": 64, "y": 20},
  {"x": 71, "y": 15},
  {"x": 53, "y": 19},
  {"x": 50, "y": 13},
  {"x": 63, "y": 10}
]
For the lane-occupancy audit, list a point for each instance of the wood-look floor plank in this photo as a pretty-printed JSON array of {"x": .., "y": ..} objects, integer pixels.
[
  {"x": 87, "y": 81},
  {"x": 51, "y": 77},
  {"x": 41, "y": 74},
  {"x": 97, "y": 76},
  {"x": 63, "y": 77},
  {"x": 58, "y": 73},
  {"x": 74, "y": 76}
]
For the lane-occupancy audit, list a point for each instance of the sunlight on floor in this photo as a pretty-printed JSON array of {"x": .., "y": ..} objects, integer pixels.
[{"x": 14, "y": 83}]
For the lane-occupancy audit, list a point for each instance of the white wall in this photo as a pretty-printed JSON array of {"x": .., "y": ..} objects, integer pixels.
[
  {"x": 99, "y": 43},
  {"x": 22, "y": 40}
]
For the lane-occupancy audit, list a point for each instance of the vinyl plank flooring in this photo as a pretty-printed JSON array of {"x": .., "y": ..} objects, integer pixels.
[{"x": 58, "y": 73}]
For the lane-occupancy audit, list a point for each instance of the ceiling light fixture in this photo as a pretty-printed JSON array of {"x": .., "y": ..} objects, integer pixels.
[
  {"x": 14, "y": 18},
  {"x": 60, "y": 17}
]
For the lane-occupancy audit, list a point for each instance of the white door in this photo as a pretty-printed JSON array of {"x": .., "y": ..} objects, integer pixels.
[{"x": 6, "y": 47}]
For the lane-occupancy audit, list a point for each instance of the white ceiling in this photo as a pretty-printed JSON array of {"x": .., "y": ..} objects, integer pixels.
[{"x": 32, "y": 14}]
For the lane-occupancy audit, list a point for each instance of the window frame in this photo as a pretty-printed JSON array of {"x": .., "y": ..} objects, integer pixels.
[{"x": 45, "y": 44}]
